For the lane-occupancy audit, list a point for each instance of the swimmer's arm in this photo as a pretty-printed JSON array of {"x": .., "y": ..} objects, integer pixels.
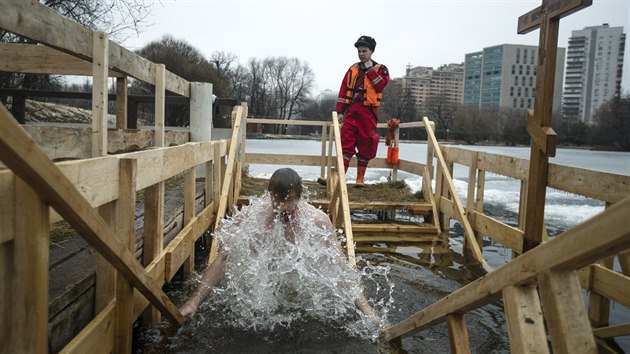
[
  {"x": 363, "y": 305},
  {"x": 211, "y": 276}
]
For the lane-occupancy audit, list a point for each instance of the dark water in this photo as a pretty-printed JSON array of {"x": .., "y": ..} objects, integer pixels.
[{"x": 420, "y": 274}]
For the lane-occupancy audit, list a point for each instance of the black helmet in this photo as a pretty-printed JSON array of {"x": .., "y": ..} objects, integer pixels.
[{"x": 366, "y": 41}]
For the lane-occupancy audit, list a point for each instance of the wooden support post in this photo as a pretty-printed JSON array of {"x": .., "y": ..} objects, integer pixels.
[
  {"x": 322, "y": 173},
  {"x": 160, "y": 103},
  {"x": 18, "y": 108},
  {"x": 564, "y": 310},
  {"x": 121, "y": 102},
  {"x": 458, "y": 334},
  {"x": 132, "y": 114},
  {"x": 125, "y": 215},
  {"x": 28, "y": 327},
  {"x": 190, "y": 185},
  {"x": 526, "y": 326},
  {"x": 547, "y": 17},
  {"x": 479, "y": 200},
  {"x": 100, "y": 66},
  {"x": 624, "y": 262},
  {"x": 153, "y": 235},
  {"x": 599, "y": 305},
  {"x": 470, "y": 198},
  {"x": 105, "y": 272}
]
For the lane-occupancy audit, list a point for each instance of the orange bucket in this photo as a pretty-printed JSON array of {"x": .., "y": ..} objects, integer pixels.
[{"x": 392, "y": 155}]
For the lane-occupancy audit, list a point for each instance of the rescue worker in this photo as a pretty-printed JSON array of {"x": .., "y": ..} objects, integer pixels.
[{"x": 357, "y": 104}]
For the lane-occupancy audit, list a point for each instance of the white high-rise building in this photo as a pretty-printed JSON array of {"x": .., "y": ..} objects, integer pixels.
[
  {"x": 504, "y": 76},
  {"x": 593, "y": 71}
]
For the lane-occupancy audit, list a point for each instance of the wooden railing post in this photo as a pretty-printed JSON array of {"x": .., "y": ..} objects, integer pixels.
[
  {"x": 564, "y": 310},
  {"x": 105, "y": 271},
  {"x": 190, "y": 184},
  {"x": 28, "y": 325},
  {"x": 523, "y": 313},
  {"x": 100, "y": 68},
  {"x": 160, "y": 104},
  {"x": 121, "y": 102},
  {"x": 125, "y": 215},
  {"x": 153, "y": 235},
  {"x": 458, "y": 334}
]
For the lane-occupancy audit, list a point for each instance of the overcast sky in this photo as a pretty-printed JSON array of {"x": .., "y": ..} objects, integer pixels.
[{"x": 323, "y": 32}]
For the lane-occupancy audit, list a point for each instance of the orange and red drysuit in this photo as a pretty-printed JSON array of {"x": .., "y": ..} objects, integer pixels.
[{"x": 359, "y": 98}]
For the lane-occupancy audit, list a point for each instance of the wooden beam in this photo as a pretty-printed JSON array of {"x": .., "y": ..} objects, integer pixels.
[
  {"x": 20, "y": 153},
  {"x": 29, "y": 325},
  {"x": 526, "y": 326},
  {"x": 613, "y": 331},
  {"x": 282, "y": 159},
  {"x": 40, "y": 59},
  {"x": 227, "y": 177},
  {"x": 97, "y": 336},
  {"x": 343, "y": 192},
  {"x": 458, "y": 334},
  {"x": 573, "y": 249},
  {"x": 126, "y": 232},
  {"x": 544, "y": 137},
  {"x": 99, "y": 94},
  {"x": 565, "y": 313},
  {"x": 121, "y": 103},
  {"x": 554, "y": 9},
  {"x": 393, "y": 228}
]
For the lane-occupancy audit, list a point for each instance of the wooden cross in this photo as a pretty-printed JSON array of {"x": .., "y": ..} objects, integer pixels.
[{"x": 547, "y": 18}]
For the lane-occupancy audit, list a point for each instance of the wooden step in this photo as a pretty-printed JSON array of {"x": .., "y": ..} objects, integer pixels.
[
  {"x": 417, "y": 208},
  {"x": 395, "y": 228},
  {"x": 397, "y": 238}
]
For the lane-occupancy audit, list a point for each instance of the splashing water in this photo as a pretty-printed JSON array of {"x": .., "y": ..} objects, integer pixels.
[{"x": 283, "y": 277}]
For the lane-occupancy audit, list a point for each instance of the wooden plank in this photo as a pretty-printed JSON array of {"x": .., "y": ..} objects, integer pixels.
[
  {"x": 282, "y": 159},
  {"x": 400, "y": 238},
  {"x": 121, "y": 103},
  {"x": 181, "y": 247},
  {"x": 99, "y": 94},
  {"x": 613, "y": 331},
  {"x": 610, "y": 284},
  {"x": 160, "y": 104},
  {"x": 153, "y": 235},
  {"x": 543, "y": 137},
  {"x": 97, "y": 336},
  {"x": 506, "y": 235},
  {"x": 7, "y": 206},
  {"x": 20, "y": 153},
  {"x": 624, "y": 262},
  {"x": 105, "y": 272},
  {"x": 228, "y": 176},
  {"x": 322, "y": 161},
  {"x": 393, "y": 228},
  {"x": 526, "y": 326},
  {"x": 40, "y": 59},
  {"x": 29, "y": 284},
  {"x": 551, "y": 9},
  {"x": 573, "y": 249},
  {"x": 564, "y": 310},
  {"x": 190, "y": 186},
  {"x": 458, "y": 334},
  {"x": 343, "y": 192},
  {"x": 428, "y": 195},
  {"x": 287, "y": 122},
  {"x": 126, "y": 232},
  {"x": 608, "y": 187}
]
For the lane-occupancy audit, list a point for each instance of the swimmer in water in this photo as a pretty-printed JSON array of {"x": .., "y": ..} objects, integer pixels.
[{"x": 287, "y": 207}]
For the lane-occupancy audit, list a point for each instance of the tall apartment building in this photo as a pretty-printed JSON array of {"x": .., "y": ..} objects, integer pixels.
[
  {"x": 594, "y": 68},
  {"x": 504, "y": 76},
  {"x": 445, "y": 83}
]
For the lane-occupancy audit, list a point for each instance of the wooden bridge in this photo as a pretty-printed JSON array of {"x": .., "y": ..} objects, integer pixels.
[{"x": 540, "y": 288}]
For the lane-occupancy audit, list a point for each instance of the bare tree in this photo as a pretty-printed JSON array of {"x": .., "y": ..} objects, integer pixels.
[
  {"x": 398, "y": 103},
  {"x": 442, "y": 110},
  {"x": 119, "y": 18}
]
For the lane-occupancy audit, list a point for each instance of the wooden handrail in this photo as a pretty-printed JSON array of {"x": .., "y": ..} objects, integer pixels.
[
  {"x": 235, "y": 141},
  {"x": 571, "y": 250},
  {"x": 443, "y": 171},
  {"x": 29, "y": 162}
]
